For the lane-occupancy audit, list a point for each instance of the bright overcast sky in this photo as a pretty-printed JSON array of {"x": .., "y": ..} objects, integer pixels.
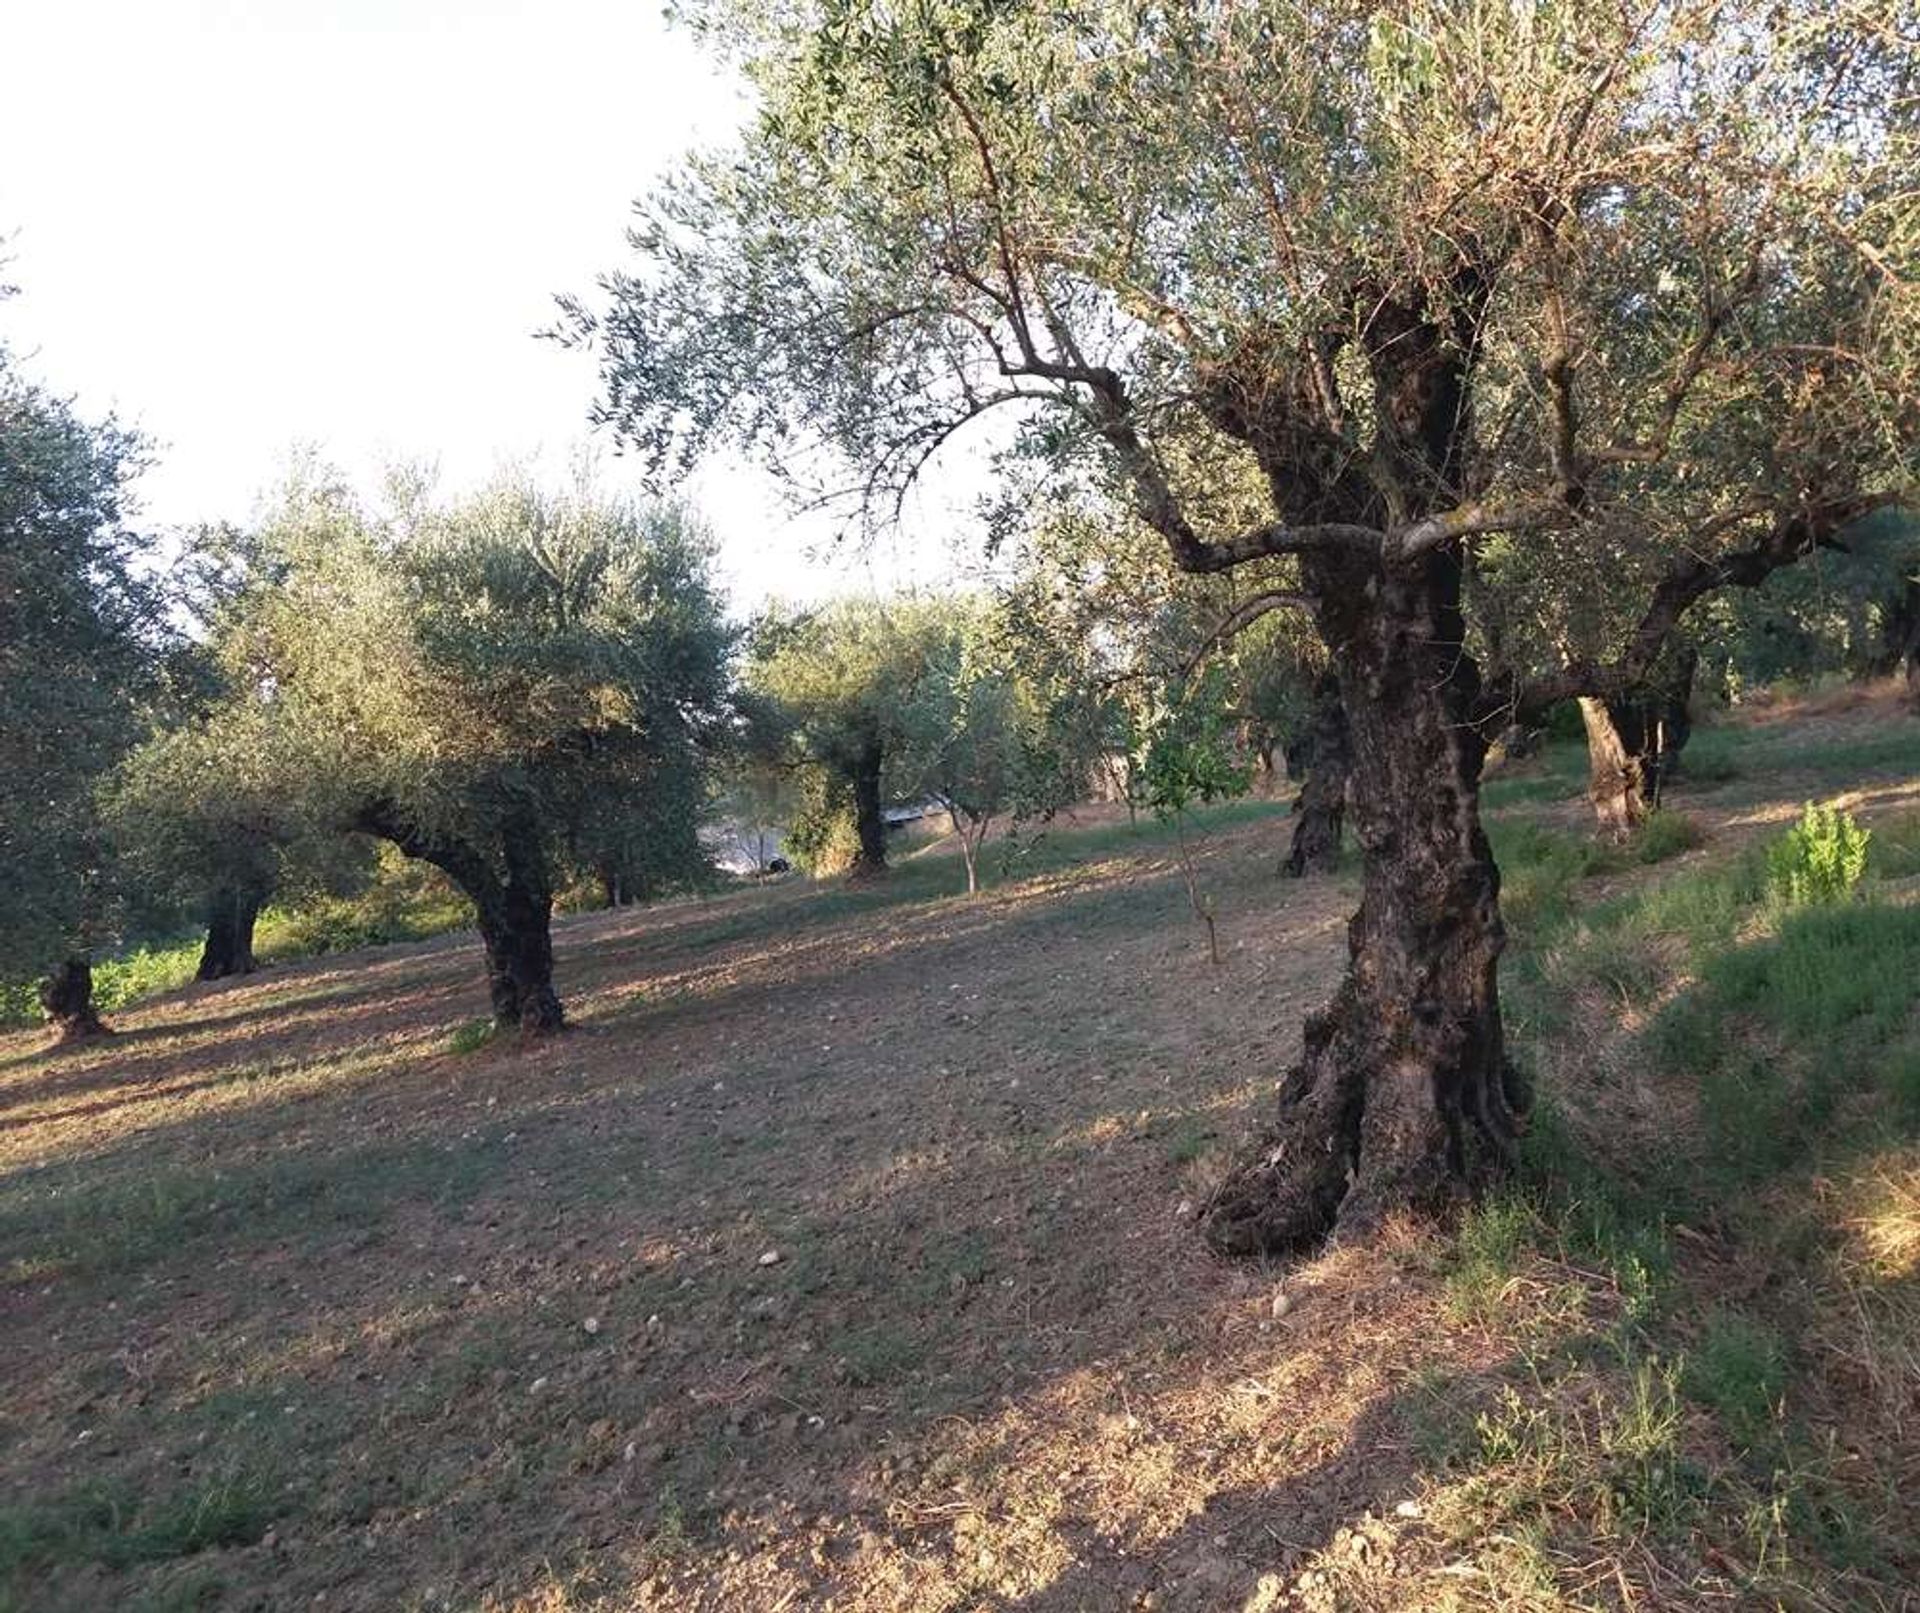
[{"x": 250, "y": 225}]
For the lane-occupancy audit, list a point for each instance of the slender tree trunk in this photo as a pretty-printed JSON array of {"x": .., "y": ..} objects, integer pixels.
[
  {"x": 1403, "y": 1092},
  {"x": 869, "y": 819},
  {"x": 1320, "y": 808},
  {"x": 66, "y": 996},
  {"x": 231, "y": 915},
  {"x": 973, "y": 835}
]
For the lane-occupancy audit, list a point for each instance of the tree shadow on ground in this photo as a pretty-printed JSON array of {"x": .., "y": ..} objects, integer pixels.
[{"x": 971, "y": 1204}]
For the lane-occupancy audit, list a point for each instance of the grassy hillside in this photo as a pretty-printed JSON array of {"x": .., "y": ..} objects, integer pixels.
[{"x": 845, "y": 1252}]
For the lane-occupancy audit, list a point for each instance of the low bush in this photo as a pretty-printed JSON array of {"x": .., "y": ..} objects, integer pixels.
[{"x": 1820, "y": 860}]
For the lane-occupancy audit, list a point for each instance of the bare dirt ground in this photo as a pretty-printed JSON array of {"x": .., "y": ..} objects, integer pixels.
[{"x": 841, "y": 1256}]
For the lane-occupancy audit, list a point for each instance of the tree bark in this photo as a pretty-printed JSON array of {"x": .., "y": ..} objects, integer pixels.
[
  {"x": 66, "y": 996},
  {"x": 517, "y": 928},
  {"x": 869, "y": 819},
  {"x": 514, "y": 913},
  {"x": 1900, "y": 639},
  {"x": 1320, "y": 808},
  {"x": 1616, "y": 781},
  {"x": 1634, "y": 743},
  {"x": 1403, "y": 1093},
  {"x": 231, "y": 915}
]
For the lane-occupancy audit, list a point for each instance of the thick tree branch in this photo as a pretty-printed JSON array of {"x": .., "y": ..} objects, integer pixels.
[
  {"x": 1468, "y": 520},
  {"x": 1240, "y": 618},
  {"x": 1689, "y": 578}
]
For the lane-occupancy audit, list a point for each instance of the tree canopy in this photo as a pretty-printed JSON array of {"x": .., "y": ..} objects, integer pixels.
[
  {"x": 504, "y": 686},
  {"x": 79, "y": 631}
]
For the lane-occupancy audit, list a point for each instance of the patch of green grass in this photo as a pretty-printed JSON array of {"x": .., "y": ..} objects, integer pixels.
[
  {"x": 1895, "y": 852},
  {"x": 1190, "y": 1139},
  {"x": 114, "y": 1528},
  {"x": 1829, "y": 971},
  {"x": 1622, "y": 963},
  {"x": 1738, "y": 1368},
  {"x": 80, "y": 1218},
  {"x": 1492, "y": 1242},
  {"x": 956, "y": 1262},
  {"x": 1558, "y": 773},
  {"x": 471, "y": 1037},
  {"x": 1566, "y": 1446},
  {"x": 1665, "y": 834},
  {"x": 1843, "y": 762},
  {"x": 1797, "y": 1033},
  {"x": 1712, "y": 756},
  {"x": 874, "y": 1355}
]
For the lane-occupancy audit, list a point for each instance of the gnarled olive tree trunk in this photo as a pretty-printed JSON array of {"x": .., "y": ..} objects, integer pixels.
[
  {"x": 66, "y": 997},
  {"x": 1616, "y": 780},
  {"x": 512, "y": 900},
  {"x": 232, "y": 913},
  {"x": 1634, "y": 743},
  {"x": 1403, "y": 1088},
  {"x": 516, "y": 926},
  {"x": 1319, "y": 810}
]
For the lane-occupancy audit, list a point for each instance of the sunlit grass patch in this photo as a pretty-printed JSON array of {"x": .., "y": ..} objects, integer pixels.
[
  {"x": 1491, "y": 1244},
  {"x": 1568, "y": 1453},
  {"x": 1885, "y": 1216}
]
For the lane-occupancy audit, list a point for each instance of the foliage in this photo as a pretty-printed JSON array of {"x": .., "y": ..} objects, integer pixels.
[
  {"x": 1848, "y": 610},
  {"x": 990, "y": 738},
  {"x": 1675, "y": 246},
  {"x": 820, "y": 838},
  {"x": 1191, "y": 759},
  {"x": 513, "y": 656},
  {"x": 207, "y": 805},
  {"x": 1820, "y": 860},
  {"x": 400, "y": 900},
  {"x": 848, "y": 676},
  {"x": 79, "y": 628}
]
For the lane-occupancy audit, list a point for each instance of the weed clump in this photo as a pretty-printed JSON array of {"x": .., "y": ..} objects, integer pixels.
[{"x": 1819, "y": 861}]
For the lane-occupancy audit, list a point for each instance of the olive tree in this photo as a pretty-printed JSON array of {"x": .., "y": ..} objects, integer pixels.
[
  {"x": 989, "y": 736},
  {"x": 847, "y": 684},
  {"x": 79, "y": 627},
  {"x": 1629, "y": 285},
  {"x": 209, "y": 817},
  {"x": 472, "y": 683}
]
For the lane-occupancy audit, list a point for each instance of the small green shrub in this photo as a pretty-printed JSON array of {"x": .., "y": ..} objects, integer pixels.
[
  {"x": 406, "y": 900},
  {"x": 1820, "y": 860},
  {"x": 471, "y": 1037},
  {"x": 822, "y": 838},
  {"x": 1189, "y": 1141}
]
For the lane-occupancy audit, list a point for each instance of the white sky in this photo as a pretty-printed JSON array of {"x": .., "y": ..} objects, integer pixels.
[{"x": 249, "y": 225}]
